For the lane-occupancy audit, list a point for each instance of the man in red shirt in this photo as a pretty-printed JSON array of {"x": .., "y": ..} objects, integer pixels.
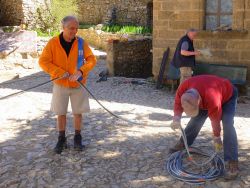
[{"x": 214, "y": 97}]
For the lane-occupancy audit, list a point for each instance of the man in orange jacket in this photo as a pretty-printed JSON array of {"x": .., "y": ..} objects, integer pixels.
[{"x": 60, "y": 59}]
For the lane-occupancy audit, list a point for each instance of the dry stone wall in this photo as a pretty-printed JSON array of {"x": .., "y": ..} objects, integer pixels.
[
  {"x": 138, "y": 12},
  {"x": 11, "y": 12},
  {"x": 127, "y": 11},
  {"x": 131, "y": 58},
  {"x": 15, "y": 12}
]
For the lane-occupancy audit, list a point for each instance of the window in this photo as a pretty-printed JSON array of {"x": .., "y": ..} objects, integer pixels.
[{"x": 218, "y": 14}]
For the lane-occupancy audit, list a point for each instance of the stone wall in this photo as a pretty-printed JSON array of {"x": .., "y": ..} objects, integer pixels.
[
  {"x": 29, "y": 9},
  {"x": 172, "y": 18},
  {"x": 127, "y": 11},
  {"x": 97, "y": 38},
  {"x": 13, "y": 12},
  {"x": 138, "y": 12},
  {"x": 130, "y": 58}
]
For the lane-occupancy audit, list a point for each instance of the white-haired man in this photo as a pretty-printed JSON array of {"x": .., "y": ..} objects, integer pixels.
[
  {"x": 68, "y": 57},
  {"x": 214, "y": 97}
]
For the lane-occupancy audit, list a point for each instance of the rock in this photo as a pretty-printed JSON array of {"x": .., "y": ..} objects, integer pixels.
[
  {"x": 32, "y": 173},
  {"x": 41, "y": 183},
  {"x": 11, "y": 182},
  {"x": 43, "y": 160},
  {"x": 145, "y": 168},
  {"x": 38, "y": 146},
  {"x": 3, "y": 171},
  {"x": 23, "y": 184},
  {"x": 32, "y": 155},
  {"x": 9, "y": 148},
  {"x": 224, "y": 184},
  {"x": 3, "y": 54}
]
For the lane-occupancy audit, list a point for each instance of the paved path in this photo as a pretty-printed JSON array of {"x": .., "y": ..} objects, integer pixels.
[{"x": 118, "y": 155}]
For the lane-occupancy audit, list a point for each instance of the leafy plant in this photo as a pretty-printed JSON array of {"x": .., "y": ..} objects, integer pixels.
[
  {"x": 129, "y": 29},
  {"x": 8, "y": 29},
  {"x": 47, "y": 34},
  {"x": 49, "y": 16}
]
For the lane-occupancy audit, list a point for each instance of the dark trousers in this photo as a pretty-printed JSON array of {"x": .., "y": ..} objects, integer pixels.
[{"x": 230, "y": 143}]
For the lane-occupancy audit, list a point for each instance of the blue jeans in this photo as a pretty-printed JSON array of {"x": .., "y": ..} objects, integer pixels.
[{"x": 230, "y": 143}]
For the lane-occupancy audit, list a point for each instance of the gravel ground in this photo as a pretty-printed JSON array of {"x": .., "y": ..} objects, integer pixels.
[{"x": 117, "y": 154}]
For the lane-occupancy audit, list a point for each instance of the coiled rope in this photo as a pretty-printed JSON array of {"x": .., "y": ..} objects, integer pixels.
[{"x": 209, "y": 170}]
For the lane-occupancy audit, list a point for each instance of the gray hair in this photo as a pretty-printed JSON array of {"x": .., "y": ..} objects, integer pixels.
[
  {"x": 67, "y": 19},
  {"x": 192, "y": 30}
]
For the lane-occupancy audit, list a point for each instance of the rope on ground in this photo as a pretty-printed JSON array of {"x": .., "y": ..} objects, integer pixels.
[
  {"x": 25, "y": 90},
  {"x": 20, "y": 80},
  {"x": 211, "y": 169},
  {"x": 107, "y": 110},
  {"x": 83, "y": 86}
]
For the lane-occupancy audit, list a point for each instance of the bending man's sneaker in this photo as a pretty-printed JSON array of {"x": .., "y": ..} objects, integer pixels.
[
  {"x": 78, "y": 143},
  {"x": 61, "y": 144},
  {"x": 178, "y": 147},
  {"x": 232, "y": 170}
]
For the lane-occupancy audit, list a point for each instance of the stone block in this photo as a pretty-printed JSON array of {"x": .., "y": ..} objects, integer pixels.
[
  {"x": 238, "y": 4},
  {"x": 245, "y": 55},
  {"x": 188, "y": 15},
  {"x": 223, "y": 55},
  {"x": 180, "y": 25},
  {"x": 164, "y": 43},
  {"x": 238, "y": 45},
  {"x": 164, "y": 15},
  {"x": 167, "y": 5},
  {"x": 238, "y": 20},
  {"x": 171, "y": 34},
  {"x": 248, "y": 4}
]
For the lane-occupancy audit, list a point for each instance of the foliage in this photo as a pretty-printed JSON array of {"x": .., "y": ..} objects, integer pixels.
[
  {"x": 129, "y": 29},
  {"x": 49, "y": 16},
  {"x": 8, "y": 29},
  {"x": 47, "y": 34}
]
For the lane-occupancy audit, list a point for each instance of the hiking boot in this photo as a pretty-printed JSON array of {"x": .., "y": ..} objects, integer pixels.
[
  {"x": 231, "y": 170},
  {"x": 61, "y": 145},
  {"x": 78, "y": 143},
  {"x": 178, "y": 147}
]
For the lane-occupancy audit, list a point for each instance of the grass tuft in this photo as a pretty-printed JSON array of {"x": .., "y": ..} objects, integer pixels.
[{"x": 127, "y": 29}]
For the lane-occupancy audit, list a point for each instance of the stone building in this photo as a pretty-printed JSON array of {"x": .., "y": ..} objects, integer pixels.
[
  {"x": 138, "y": 12},
  {"x": 224, "y": 25}
]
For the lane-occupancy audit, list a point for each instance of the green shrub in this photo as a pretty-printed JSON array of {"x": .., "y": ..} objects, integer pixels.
[
  {"x": 49, "y": 16},
  {"x": 47, "y": 34},
  {"x": 8, "y": 29},
  {"x": 129, "y": 29}
]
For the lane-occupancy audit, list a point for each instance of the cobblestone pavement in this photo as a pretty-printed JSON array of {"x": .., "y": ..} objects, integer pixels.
[{"x": 117, "y": 154}]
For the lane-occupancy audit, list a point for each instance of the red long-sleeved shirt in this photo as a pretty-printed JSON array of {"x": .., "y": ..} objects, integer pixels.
[{"x": 214, "y": 92}]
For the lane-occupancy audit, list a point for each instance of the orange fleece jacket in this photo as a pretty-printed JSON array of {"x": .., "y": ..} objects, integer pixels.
[{"x": 55, "y": 62}]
